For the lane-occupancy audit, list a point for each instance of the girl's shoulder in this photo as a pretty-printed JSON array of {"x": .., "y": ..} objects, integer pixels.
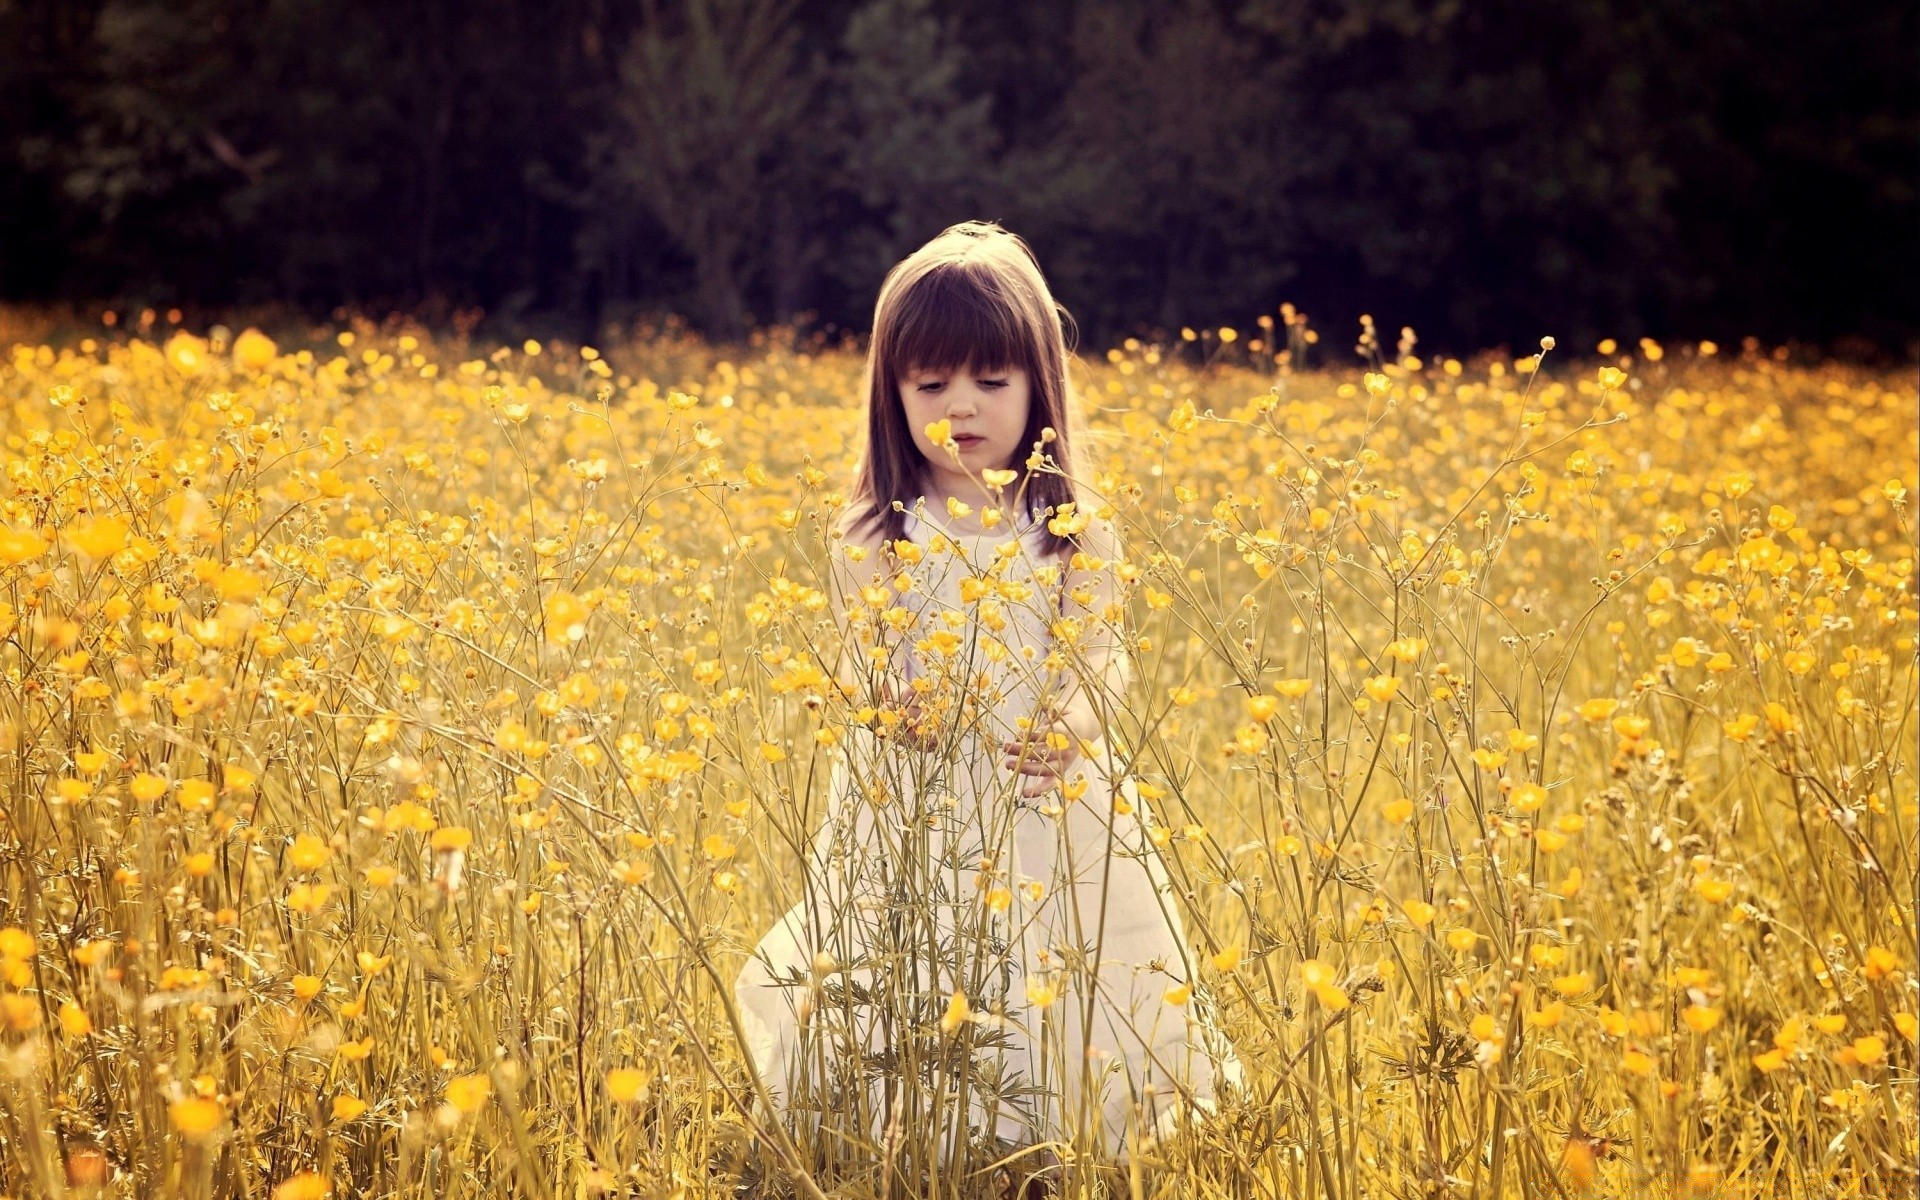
[{"x": 1100, "y": 538}]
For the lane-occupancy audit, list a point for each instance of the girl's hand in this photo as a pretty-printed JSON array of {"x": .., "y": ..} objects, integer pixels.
[
  {"x": 1046, "y": 751},
  {"x": 912, "y": 713}
]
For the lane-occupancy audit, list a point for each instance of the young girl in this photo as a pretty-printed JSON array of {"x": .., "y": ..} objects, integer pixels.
[{"x": 988, "y": 949}]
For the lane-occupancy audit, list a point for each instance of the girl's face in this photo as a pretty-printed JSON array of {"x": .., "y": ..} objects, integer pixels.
[{"x": 987, "y": 411}]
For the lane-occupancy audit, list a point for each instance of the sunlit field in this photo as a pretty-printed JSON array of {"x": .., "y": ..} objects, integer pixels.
[{"x": 405, "y": 740}]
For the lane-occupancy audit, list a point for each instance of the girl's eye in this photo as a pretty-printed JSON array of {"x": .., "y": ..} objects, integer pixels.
[{"x": 993, "y": 383}]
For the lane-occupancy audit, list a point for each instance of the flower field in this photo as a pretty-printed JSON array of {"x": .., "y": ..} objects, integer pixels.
[{"x": 404, "y": 740}]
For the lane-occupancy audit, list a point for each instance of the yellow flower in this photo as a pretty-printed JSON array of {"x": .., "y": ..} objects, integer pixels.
[
  {"x": 1400, "y": 811},
  {"x": 74, "y": 1021},
  {"x": 1576, "y": 984},
  {"x": 1407, "y": 649},
  {"x": 565, "y": 617},
  {"x": 196, "y": 1117},
  {"x": 624, "y": 1084},
  {"x": 1700, "y": 1018},
  {"x": 307, "y": 1185},
  {"x": 308, "y": 853},
  {"x": 195, "y": 795},
  {"x": 469, "y": 1093},
  {"x": 1597, "y": 710},
  {"x": 98, "y": 537},
  {"x": 1869, "y": 1050},
  {"x": 1293, "y": 689},
  {"x": 254, "y": 351},
  {"x": 957, "y": 1012},
  {"x": 939, "y": 432},
  {"x": 1178, "y": 995},
  {"x": 1228, "y": 960},
  {"x": 308, "y": 898},
  {"x": 451, "y": 838},
  {"x": 1692, "y": 977},
  {"x": 348, "y": 1108},
  {"x": 1382, "y": 688},
  {"x": 20, "y": 1013},
  {"x": 187, "y": 353},
  {"x": 20, "y": 545},
  {"x": 1332, "y": 997},
  {"x": 1712, "y": 890},
  {"x": 1419, "y": 912},
  {"x": 1548, "y": 1016}
]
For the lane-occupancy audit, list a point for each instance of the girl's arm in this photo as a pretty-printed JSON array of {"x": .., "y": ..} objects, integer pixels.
[
  {"x": 1101, "y": 667},
  {"x": 869, "y": 564},
  {"x": 845, "y": 577}
]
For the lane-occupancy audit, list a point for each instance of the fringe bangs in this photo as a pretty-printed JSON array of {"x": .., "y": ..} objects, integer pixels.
[{"x": 957, "y": 316}]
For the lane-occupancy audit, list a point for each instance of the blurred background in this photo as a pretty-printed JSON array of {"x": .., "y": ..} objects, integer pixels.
[{"x": 1485, "y": 171}]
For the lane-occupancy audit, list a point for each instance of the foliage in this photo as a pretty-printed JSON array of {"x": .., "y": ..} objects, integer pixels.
[{"x": 1718, "y": 167}]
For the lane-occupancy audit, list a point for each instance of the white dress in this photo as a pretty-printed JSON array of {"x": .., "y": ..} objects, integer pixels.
[{"x": 1065, "y": 948}]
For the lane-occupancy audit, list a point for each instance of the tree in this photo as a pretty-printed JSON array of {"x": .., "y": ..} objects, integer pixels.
[
  {"x": 707, "y": 100},
  {"x": 1157, "y": 185},
  {"x": 910, "y": 149}
]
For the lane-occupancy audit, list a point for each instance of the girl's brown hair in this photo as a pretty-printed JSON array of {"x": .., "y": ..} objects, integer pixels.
[{"x": 971, "y": 298}]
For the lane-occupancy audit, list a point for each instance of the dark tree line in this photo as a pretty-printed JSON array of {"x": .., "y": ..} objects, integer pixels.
[{"x": 1485, "y": 171}]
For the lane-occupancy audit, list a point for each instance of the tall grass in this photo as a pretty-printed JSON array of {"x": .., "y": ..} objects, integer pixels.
[{"x": 404, "y": 744}]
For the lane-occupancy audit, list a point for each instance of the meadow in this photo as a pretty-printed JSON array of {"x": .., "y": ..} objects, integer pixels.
[{"x": 404, "y": 740}]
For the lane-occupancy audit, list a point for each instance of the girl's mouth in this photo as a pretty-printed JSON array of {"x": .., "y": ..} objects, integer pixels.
[{"x": 969, "y": 439}]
